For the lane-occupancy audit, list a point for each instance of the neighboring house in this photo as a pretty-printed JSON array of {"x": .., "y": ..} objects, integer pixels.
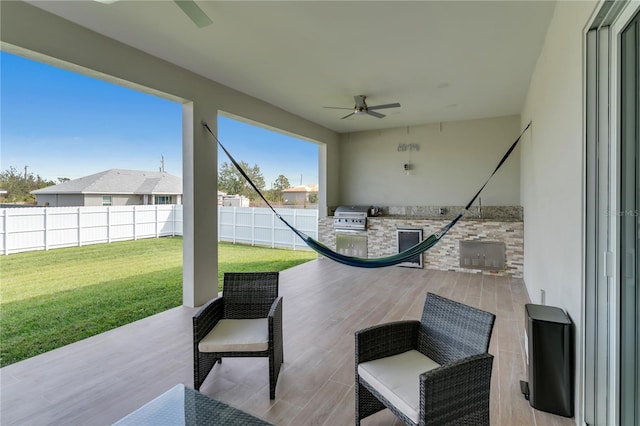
[
  {"x": 221, "y": 195},
  {"x": 299, "y": 194},
  {"x": 114, "y": 187},
  {"x": 235, "y": 201},
  {"x": 232, "y": 200}
]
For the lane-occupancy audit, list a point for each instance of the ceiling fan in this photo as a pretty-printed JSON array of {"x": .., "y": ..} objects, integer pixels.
[
  {"x": 361, "y": 107},
  {"x": 189, "y": 7}
]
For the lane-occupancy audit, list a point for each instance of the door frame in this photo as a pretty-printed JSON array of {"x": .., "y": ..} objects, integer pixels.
[{"x": 602, "y": 183}]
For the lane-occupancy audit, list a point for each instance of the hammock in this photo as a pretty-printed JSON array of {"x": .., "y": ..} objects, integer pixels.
[{"x": 379, "y": 262}]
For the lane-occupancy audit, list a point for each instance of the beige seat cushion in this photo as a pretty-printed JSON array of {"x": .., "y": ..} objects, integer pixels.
[
  {"x": 397, "y": 379},
  {"x": 237, "y": 335}
]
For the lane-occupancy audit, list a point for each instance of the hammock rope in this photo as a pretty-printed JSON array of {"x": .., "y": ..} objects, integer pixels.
[{"x": 378, "y": 262}]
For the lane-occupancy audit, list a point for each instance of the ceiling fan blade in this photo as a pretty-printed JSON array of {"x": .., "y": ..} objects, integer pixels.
[
  {"x": 337, "y": 107},
  {"x": 193, "y": 11},
  {"x": 395, "y": 105},
  {"x": 376, "y": 114},
  {"x": 348, "y": 115},
  {"x": 359, "y": 99}
]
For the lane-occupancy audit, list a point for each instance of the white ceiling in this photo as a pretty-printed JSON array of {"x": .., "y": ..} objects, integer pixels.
[{"x": 442, "y": 60}]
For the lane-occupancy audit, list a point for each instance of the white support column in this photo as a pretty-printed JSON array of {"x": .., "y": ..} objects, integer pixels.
[{"x": 200, "y": 208}]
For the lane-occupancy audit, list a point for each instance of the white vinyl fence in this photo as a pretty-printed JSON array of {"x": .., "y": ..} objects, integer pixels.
[
  {"x": 45, "y": 228},
  {"x": 259, "y": 226}
]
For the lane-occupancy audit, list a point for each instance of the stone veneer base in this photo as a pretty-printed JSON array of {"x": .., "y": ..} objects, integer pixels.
[{"x": 444, "y": 256}]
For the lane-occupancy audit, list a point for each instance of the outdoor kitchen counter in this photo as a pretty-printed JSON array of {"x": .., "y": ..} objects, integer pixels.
[{"x": 382, "y": 240}]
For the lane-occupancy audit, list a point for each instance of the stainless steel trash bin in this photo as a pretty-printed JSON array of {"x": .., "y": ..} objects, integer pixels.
[{"x": 549, "y": 360}]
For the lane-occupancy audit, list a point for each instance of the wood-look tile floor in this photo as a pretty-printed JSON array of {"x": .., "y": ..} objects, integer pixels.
[{"x": 101, "y": 379}]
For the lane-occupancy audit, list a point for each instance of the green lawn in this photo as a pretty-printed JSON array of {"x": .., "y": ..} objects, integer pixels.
[{"x": 52, "y": 298}]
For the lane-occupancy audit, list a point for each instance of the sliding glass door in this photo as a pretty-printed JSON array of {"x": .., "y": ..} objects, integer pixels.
[
  {"x": 629, "y": 223},
  {"x": 612, "y": 213}
]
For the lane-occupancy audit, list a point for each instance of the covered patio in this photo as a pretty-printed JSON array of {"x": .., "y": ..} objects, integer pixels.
[
  {"x": 103, "y": 378},
  {"x": 469, "y": 76}
]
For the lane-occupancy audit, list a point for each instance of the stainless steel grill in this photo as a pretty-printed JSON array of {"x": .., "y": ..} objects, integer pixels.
[{"x": 352, "y": 218}]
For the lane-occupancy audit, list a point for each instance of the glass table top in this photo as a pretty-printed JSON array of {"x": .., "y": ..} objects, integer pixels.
[{"x": 184, "y": 406}]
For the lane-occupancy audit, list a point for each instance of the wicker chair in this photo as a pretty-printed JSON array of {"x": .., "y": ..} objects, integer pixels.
[
  {"x": 245, "y": 322},
  {"x": 431, "y": 372}
]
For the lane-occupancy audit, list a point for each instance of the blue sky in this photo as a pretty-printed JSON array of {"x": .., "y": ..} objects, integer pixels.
[{"x": 64, "y": 124}]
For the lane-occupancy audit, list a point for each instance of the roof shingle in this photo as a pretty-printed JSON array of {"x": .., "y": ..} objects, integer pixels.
[{"x": 118, "y": 181}]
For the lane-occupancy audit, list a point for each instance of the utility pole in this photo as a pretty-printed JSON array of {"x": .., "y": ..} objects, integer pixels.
[
  {"x": 300, "y": 179},
  {"x": 162, "y": 163},
  {"x": 25, "y": 172}
]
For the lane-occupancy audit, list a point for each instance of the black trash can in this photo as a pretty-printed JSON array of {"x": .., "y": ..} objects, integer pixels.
[{"x": 549, "y": 360}]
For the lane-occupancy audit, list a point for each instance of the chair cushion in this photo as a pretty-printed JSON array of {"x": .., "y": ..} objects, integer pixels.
[
  {"x": 397, "y": 379},
  {"x": 237, "y": 335}
]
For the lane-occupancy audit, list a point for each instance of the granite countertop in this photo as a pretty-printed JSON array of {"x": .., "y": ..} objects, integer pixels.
[
  {"x": 444, "y": 218},
  {"x": 447, "y": 218},
  {"x": 475, "y": 213}
]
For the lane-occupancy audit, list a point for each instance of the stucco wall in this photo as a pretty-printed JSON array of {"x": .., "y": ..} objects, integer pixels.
[
  {"x": 116, "y": 200},
  {"x": 60, "y": 200},
  {"x": 448, "y": 163},
  {"x": 552, "y": 171}
]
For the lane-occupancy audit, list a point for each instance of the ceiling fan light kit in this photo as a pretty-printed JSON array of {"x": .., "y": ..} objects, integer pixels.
[{"x": 361, "y": 108}]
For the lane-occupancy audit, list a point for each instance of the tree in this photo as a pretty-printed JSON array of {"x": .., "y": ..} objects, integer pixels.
[
  {"x": 281, "y": 183},
  {"x": 18, "y": 185},
  {"x": 231, "y": 181},
  {"x": 275, "y": 193}
]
